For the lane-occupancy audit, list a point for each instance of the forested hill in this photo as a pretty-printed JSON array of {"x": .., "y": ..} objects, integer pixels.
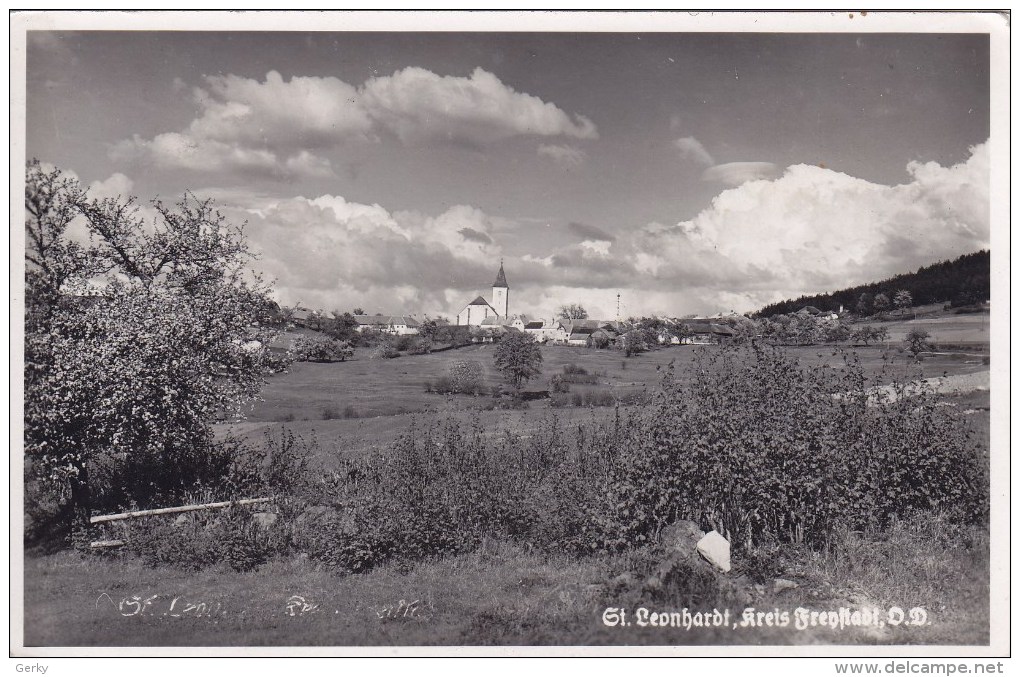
[{"x": 963, "y": 281}]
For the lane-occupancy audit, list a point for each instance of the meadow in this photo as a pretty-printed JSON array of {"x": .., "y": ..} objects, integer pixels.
[{"x": 495, "y": 588}]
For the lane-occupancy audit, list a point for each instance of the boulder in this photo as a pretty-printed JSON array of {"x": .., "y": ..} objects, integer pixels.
[{"x": 716, "y": 549}]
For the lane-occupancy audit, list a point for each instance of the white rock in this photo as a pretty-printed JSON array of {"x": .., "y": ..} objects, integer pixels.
[{"x": 715, "y": 549}]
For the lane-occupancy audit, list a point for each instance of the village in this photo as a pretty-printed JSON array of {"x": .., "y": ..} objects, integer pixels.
[{"x": 486, "y": 321}]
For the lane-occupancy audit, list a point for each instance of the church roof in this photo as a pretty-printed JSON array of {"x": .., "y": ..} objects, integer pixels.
[
  {"x": 479, "y": 302},
  {"x": 500, "y": 278}
]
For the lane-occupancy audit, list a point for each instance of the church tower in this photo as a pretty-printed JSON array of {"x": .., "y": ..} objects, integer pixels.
[{"x": 501, "y": 293}]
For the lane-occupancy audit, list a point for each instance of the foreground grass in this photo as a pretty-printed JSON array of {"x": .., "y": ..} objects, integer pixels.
[{"x": 503, "y": 594}]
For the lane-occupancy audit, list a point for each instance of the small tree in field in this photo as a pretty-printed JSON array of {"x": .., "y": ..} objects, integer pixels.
[
  {"x": 136, "y": 340},
  {"x": 869, "y": 333},
  {"x": 518, "y": 357},
  {"x": 634, "y": 342},
  {"x": 903, "y": 299},
  {"x": 917, "y": 341}
]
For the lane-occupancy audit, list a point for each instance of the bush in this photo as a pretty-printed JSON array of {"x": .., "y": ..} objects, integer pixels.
[
  {"x": 405, "y": 342},
  {"x": 322, "y": 349},
  {"x": 572, "y": 368},
  {"x": 466, "y": 377},
  {"x": 444, "y": 385},
  {"x": 329, "y": 413},
  {"x": 350, "y": 411},
  {"x": 793, "y": 472},
  {"x": 558, "y": 384},
  {"x": 385, "y": 350},
  {"x": 421, "y": 346}
]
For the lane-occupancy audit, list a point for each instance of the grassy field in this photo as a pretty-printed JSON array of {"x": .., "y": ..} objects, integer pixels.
[
  {"x": 387, "y": 395},
  {"x": 503, "y": 593}
]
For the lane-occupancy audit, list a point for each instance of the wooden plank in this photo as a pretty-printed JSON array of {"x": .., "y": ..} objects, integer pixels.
[
  {"x": 183, "y": 508},
  {"x": 107, "y": 544}
]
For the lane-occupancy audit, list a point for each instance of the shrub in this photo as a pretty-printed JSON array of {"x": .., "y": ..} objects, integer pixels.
[
  {"x": 421, "y": 346},
  {"x": 466, "y": 377},
  {"x": 329, "y": 413},
  {"x": 558, "y": 384},
  {"x": 634, "y": 342},
  {"x": 444, "y": 385},
  {"x": 572, "y": 368},
  {"x": 385, "y": 350},
  {"x": 405, "y": 342},
  {"x": 322, "y": 349},
  {"x": 350, "y": 411},
  {"x": 790, "y": 473}
]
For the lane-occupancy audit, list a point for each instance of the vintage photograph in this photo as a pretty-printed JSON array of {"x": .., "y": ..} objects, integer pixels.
[{"x": 426, "y": 330}]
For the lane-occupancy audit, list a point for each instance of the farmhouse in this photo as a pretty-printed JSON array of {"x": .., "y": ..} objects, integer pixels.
[
  {"x": 476, "y": 312},
  {"x": 398, "y": 325},
  {"x": 701, "y": 330}
]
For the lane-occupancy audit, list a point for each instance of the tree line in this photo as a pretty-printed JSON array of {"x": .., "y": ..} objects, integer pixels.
[{"x": 960, "y": 282}]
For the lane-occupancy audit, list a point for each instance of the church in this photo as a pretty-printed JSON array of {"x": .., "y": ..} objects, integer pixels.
[{"x": 478, "y": 311}]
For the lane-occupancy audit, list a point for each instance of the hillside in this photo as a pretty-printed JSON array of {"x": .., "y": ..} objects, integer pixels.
[{"x": 962, "y": 281}]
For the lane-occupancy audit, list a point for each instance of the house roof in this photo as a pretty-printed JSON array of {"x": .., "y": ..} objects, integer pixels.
[
  {"x": 535, "y": 325},
  {"x": 479, "y": 301},
  {"x": 492, "y": 321},
  {"x": 385, "y": 320},
  {"x": 583, "y": 331},
  {"x": 500, "y": 278}
]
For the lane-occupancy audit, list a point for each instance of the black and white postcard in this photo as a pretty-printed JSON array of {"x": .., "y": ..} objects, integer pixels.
[{"x": 514, "y": 333}]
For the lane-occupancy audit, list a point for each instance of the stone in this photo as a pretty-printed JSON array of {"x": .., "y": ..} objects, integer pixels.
[
  {"x": 716, "y": 549},
  {"x": 781, "y": 584},
  {"x": 682, "y": 536}
]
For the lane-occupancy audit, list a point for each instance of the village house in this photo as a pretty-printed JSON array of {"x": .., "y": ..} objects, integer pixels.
[{"x": 398, "y": 325}]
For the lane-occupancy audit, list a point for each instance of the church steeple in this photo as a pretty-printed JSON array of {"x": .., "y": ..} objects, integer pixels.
[
  {"x": 500, "y": 277},
  {"x": 501, "y": 293}
]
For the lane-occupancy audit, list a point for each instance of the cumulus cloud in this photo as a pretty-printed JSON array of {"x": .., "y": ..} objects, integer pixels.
[
  {"x": 278, "y": 128},
  {"x": 693, "y": 149},
  {"x": 330, "y": 252},
  {"x": 808, "y": 230},
  {"x": 568, "y": 156},
  {"x": 257, "y": 128},
  {"x": 116, "y": 185},
  {"x": 815, "y": 229},
  {"x": 416, "y": 103},
  {"x": 589, "y": 232},
  {"x": 736, "y": 173}
]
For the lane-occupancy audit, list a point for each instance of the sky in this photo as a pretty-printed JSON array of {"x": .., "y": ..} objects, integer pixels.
[{"x": 686, "y": 172}]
